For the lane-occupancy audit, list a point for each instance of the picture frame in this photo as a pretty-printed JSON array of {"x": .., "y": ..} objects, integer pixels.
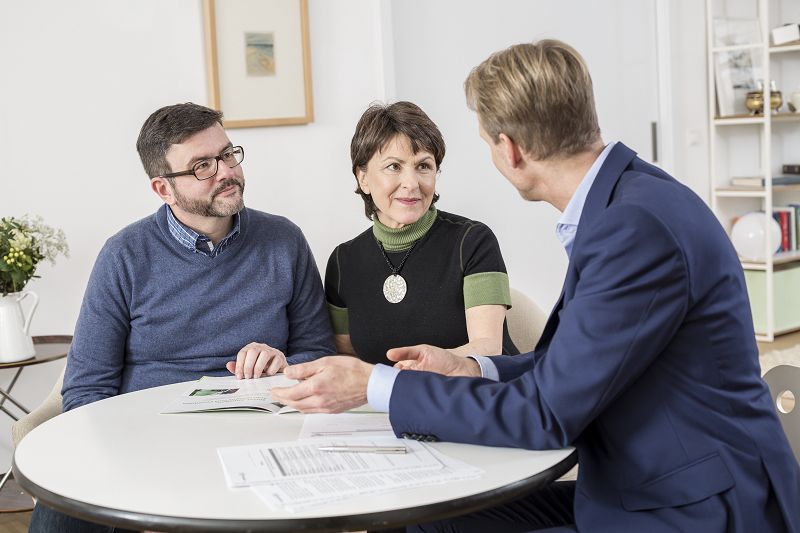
[
  {"x": 736, "y": 73},
  {"x": 736, "y": 32},
  {"x": 259, "y": 62}
]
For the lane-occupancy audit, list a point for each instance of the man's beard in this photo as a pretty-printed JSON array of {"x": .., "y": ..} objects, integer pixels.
[{"x": 210, "y": 208}]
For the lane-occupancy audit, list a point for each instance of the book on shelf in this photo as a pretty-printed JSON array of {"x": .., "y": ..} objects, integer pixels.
[
  {"x": 787, "y": 218},
  {"x": 791, "y": 169},
  {"x": 796, "y": 227},
  {"x": 757, "y": 181}
]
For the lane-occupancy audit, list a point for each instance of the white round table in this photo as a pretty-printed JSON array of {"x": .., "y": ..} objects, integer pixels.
[{"x": 119, "y": 462}]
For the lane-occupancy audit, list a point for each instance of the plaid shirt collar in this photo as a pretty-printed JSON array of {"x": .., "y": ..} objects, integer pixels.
[{"x": 200, "y": 244}]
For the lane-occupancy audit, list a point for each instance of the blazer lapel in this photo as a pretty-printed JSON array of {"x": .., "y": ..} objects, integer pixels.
[
  {"x": 596, "y": 201},
  {"x": 600, "y": 194}
]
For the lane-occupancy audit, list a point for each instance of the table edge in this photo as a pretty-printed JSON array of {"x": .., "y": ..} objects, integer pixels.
[
  {"x": 392, "y": 518},
  {"x": 34, "y": 360}
]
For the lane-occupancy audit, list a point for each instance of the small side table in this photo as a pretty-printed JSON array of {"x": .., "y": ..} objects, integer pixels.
[{"x": 48, "y": 348}]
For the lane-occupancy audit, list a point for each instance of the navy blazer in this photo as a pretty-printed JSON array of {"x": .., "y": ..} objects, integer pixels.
[{"x": 647, "y": 364}]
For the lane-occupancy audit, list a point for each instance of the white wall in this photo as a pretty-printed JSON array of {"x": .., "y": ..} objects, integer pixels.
[
  {"x": 437, "y": 43},
  {"x": 77, "y": 79},
  {"x": 689, "y": 94}
]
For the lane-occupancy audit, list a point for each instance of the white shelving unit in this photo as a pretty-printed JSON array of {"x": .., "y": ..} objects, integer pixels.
[{"x": 757, "y": 145}]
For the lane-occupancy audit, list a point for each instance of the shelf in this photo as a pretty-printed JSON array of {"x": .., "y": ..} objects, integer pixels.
[
  {"x": 739, "y": 142},
  {"x": 753, "y": 192},
  {"x": 793, "y": 46},
  {"x": 786, "y": 116},
  {"x": 737, "y": 47},
  {"x": 781, "y": 258},
  {"x": 733, "y": 120},
  {"x": 740, "y": 192}
]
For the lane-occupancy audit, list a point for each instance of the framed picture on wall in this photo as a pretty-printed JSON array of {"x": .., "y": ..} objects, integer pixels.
[{"x": 258, "y": 61}]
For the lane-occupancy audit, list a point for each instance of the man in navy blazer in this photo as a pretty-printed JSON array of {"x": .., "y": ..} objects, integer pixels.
[{"x": 647, "y": 364}]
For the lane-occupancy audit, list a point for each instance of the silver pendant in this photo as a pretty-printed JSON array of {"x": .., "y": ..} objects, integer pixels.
[{"x": 395, "y": 288}]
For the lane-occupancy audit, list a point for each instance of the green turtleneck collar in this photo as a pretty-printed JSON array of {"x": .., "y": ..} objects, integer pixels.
[{"x": 397, "y": 239}]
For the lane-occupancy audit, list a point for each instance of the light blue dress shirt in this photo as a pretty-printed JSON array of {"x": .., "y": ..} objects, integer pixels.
[
  {"x": 381, "y": 381},
  {"x": 567, "y": 225},
  {"x": 197, "y": 243}
]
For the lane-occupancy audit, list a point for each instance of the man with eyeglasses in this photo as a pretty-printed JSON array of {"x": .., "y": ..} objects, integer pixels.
[{"x": 205, "y": 286}]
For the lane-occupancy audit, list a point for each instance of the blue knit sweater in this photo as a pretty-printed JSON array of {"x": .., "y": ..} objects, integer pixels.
[{"x": 155, "y": 312}]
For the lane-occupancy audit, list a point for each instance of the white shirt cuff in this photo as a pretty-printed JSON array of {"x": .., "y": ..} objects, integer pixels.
[
  {"x": 488, "y": 368},
  {"x": 380, "y": 385}
]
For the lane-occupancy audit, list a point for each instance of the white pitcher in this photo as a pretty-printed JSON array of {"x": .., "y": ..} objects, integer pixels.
[{"x": 15, "y": 341}]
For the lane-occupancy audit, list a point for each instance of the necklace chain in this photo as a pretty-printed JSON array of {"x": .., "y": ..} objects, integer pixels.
[{"x": 395, "y": 270}]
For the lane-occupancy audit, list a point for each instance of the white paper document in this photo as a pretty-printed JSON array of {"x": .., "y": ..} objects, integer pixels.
[
  {"x": 231, "y": 394},
  {"x": 266, "y": 463},
  {"x": 298, "y": 494},
  {"x": 346, "y": 425}
]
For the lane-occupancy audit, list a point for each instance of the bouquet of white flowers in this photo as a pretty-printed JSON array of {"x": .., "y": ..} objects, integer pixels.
[{"x": 24, "y": 242}]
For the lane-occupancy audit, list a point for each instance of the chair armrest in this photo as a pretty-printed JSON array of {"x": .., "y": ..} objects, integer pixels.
[{"x": 50, "y": 407}]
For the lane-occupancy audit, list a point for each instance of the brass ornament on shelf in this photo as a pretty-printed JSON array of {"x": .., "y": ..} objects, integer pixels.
[
  {"x": 755, "y": 101},
  {"x": 775, "y": 100}
]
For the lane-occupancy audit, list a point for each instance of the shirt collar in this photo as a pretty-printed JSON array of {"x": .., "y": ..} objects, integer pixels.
[
  {"x": 567, "y": 226},
  {"x": 196, "y": 242},
  {"x": 572, "y": 214}
]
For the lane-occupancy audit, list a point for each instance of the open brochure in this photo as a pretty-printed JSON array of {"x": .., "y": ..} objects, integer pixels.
[{"x": 209, "y": 394}]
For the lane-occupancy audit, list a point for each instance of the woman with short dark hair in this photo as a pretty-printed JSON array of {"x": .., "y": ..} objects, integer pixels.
[{"x": 419, "y": 275}]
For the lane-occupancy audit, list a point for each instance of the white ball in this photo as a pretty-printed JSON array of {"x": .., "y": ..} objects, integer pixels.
[{"x": 748, "y": 236}]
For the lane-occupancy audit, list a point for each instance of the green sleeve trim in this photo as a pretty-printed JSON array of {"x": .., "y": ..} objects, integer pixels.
[
  {"x": 486, "y": 288},
  {"x": 339, "y": 319}
]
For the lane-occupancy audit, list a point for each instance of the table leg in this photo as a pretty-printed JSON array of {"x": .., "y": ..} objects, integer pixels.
[
  {"x": 13, "y": 499},
  {"x": 11, "y": 385},
  {"x": 5, "y": 478},
  {"x": 6, "y": 395}
]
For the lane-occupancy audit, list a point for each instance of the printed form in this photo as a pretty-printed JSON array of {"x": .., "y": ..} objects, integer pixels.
[
  {"x": 297, "y": 475},
  {"x": 265, "y": 463}
]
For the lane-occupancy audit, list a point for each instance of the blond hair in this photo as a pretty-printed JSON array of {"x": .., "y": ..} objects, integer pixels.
[{"x": 538, "y": 94}]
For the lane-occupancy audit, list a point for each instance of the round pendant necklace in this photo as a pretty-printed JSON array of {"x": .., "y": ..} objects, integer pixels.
[{"x": 395, "y": 287}]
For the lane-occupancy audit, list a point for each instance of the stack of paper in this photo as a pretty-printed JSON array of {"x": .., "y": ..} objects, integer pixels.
[{"x": 296, "y": 475}]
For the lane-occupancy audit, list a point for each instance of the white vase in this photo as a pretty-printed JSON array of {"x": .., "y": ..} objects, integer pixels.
[{"x": 16, "y": 343}]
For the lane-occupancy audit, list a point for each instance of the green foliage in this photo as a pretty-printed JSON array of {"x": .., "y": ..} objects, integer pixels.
[{"x": 24, "y": 242}]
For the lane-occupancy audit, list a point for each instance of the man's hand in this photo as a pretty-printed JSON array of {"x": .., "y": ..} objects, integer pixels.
[
  {"x": 433, "y": 359},
  {"x": 330, "y": 384},
  {"x": 257, "y": 359}
]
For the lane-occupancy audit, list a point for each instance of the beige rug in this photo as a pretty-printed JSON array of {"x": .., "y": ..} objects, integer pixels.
[{"x": 789, "y": 356}]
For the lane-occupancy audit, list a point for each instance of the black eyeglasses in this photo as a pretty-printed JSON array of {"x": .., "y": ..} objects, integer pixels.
[{"x": 207, "y": 168}]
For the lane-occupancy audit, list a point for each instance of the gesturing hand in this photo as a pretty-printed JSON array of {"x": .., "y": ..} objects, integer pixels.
[
  {"x": 328, "y": 385},
  {"x": 257, "y": 359},
  {"x": 433, "y": 359}
]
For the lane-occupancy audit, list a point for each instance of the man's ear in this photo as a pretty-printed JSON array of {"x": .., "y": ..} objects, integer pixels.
[
  {"x": 163, "y": 189},
  {"x": 510, "y": 151},
  {"x": 362, "y": 181}
]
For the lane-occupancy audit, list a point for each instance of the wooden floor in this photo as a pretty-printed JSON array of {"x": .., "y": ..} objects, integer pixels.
[
  {"x": 780, "y": 343},
  {"x": 18, "y": 522},
  {"x": 15, "y": 505},
  {"x": 14, "y": 522}
]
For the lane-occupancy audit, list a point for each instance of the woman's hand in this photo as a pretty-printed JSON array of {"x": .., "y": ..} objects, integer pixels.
[{"x": 257, "y": 359}]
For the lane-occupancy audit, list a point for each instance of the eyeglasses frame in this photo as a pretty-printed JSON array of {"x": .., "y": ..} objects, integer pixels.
[{"x": 191, "y": 172}]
